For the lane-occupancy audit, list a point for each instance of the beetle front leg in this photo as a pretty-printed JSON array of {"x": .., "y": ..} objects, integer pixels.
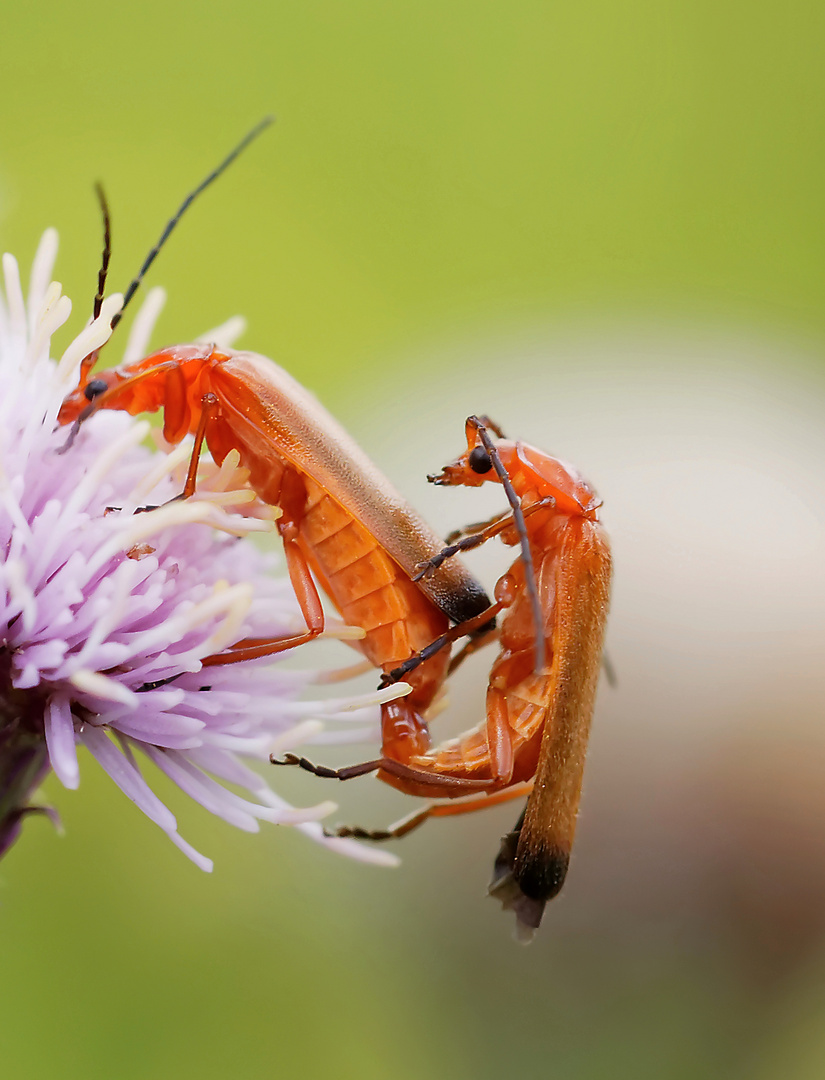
[
  {"x": 476, "y": 527},
  {"x": 471, "y": 539},
  {"x": 209, "y": 405}
]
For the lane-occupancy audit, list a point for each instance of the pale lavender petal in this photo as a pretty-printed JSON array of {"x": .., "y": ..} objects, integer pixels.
[
  {"x": 41, "y": 275},
  {"x": 225, "y": 765},
  {"x": 222, "y": 802},
  {"x": 14, "y": 297},
  {"x": 127, "y": 778},
  {"x": 342, "y": 845},
  {"x": 199, "y": 860},
  {"x": 211, "y": 796},
  {"x": 60, "y": 740},
  {"x": 166, "y": 739},
  {"x": 162, "y": 728}
]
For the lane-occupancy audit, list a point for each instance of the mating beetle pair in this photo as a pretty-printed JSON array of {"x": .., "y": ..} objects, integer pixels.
[{"x": 345, "y": 529}]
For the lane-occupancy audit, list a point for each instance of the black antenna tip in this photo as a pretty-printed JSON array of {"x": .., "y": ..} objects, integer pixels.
[
  {"x": 133, "y": 286},
  {"x": 107, "y": 250}
]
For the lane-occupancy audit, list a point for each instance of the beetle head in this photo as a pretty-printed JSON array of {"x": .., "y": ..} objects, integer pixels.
[{"x": 475, "y": 466}]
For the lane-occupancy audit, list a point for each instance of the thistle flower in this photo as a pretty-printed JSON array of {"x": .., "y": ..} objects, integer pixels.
[{"x": 106, "y": 615}]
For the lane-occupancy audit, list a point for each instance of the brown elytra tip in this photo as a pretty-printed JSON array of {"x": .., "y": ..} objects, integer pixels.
[{"x": 524, "y": 882}]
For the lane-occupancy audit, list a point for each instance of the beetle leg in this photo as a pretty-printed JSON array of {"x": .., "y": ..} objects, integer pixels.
[
  {"x": 348, "y": 773},
  {"x": 453, "y": 634},
  {"x": 427, "y": 782},
  {"x": 499, "y": 737},
  {"x": 306, "y": 591},
  {"x": 475, "y": 527},
  {"x": 466, "y": 543},
  {"x": 471, "y": 539},
  {"x": 471, "y": 646},
  {"x": 418, "y": 817},
  {"x": 209, "y": 404},
  {"x": 404, "y": 730},
  {"x": 403, "y": 775},
  {"x": 309, "y": 602}
]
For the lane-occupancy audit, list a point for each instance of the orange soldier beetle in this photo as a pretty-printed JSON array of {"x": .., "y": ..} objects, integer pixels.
[
  {"x": 342, "y": 523},
  {"x": 542, "y": 685}
]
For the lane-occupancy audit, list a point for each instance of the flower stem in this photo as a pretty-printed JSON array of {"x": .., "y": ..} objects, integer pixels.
[{"x": 24, "y": 761}]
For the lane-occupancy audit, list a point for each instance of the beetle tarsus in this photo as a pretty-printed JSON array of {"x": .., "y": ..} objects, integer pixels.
[
  {"x": 148, "y": 686},
  {"x": 355, "y": 832},
  {"x": 349, "y": 773}
]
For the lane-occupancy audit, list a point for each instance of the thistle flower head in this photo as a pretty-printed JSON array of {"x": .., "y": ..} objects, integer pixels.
[{"x": 107, "y": 614}]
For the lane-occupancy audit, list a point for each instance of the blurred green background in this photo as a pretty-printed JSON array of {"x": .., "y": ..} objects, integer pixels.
[{"x": 603, "y": 224}]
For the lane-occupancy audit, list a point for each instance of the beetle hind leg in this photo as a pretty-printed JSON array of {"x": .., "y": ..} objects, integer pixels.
[
  {"x": 432, "y": 810},
  {"x": 392, "y": 832}
]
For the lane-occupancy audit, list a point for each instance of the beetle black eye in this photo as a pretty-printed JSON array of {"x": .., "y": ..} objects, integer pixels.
[
  {"x": 94, "y": 388},
  {"x": 479, "y": 460}
]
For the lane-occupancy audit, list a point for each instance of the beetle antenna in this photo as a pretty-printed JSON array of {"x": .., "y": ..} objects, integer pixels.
[
  {"x": 184, "y": 206},
  {"x": 521, "y": 529},
  {"x": 107, "y": 250}
]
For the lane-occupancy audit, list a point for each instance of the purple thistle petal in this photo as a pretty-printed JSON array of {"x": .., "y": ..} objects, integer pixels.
[
  {"x": 351, "y": 848},
  {"x": 199, "y": 860},
  {"x": 169, "y": 730},
  {"x": 224, "y": 803},
  {"x": 226, "y": 766},
  {"x": 211, "y": 796},
  {"x": 60, "y": 741},
  {"x": 14, "y": 298},
  {"x": 41, "y": 276},
  {"x": 127, "y": 778}
]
